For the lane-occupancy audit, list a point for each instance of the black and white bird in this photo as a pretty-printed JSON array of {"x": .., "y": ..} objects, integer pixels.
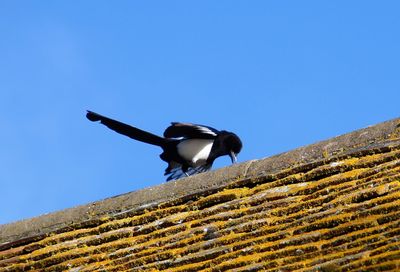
[{"x": 187, "y": 148}]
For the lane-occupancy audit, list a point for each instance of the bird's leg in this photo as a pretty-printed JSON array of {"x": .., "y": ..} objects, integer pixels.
[{"x": 185, "y": 168}]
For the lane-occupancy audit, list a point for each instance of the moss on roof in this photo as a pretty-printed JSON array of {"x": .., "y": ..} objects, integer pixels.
[{"x": 331, "y": 206}]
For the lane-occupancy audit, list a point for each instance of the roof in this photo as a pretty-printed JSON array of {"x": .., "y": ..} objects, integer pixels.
[{"x": 329, "y": 206}]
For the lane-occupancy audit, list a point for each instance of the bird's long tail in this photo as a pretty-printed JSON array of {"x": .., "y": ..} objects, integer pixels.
[{"x": 127, "y": 130}]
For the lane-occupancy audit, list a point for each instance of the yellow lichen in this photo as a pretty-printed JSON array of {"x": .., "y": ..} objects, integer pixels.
[{"x": 338, "y": 212}]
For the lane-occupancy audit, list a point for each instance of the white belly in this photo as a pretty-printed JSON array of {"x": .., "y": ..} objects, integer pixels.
[{"x": 195, "y": 151}]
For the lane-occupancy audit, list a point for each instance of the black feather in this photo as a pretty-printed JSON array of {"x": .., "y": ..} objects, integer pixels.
[
  {"x": 177, "y": 173},
  {"x": 187, "y": 130},
  {"x": 127, "y": 130}
]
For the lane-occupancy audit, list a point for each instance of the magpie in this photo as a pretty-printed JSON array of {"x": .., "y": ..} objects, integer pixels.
[{"x": 187, "y": 148}]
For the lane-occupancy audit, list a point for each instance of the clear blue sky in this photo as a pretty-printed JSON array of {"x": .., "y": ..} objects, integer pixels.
[{"x": 281, "y": 74}]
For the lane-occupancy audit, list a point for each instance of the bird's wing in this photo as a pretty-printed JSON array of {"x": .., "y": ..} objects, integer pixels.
[
  {"x": 126, "y": 130},
  {"x": 177, "y": 173},
  {"x": 187, "y": 130}
]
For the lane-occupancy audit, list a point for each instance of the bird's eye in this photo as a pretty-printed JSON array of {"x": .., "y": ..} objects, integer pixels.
[{"x": 235, "y": 144}]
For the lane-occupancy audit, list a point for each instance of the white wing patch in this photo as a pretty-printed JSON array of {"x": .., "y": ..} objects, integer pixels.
[
  {"x": 206, "y": 130},
  {"x": 195, "y": 150}
]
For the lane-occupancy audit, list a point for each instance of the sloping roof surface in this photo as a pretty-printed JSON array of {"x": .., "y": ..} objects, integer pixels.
[{"x": 331, "y": 206}]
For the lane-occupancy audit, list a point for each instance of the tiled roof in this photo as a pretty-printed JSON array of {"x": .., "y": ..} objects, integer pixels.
[{"x": 330, "y": 206}]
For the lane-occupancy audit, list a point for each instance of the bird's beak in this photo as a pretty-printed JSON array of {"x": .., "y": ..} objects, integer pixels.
[{"x": 233, "y": 157}]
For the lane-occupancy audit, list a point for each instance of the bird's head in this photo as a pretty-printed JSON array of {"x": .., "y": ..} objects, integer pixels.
[{"x": 232, "y": 145}]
